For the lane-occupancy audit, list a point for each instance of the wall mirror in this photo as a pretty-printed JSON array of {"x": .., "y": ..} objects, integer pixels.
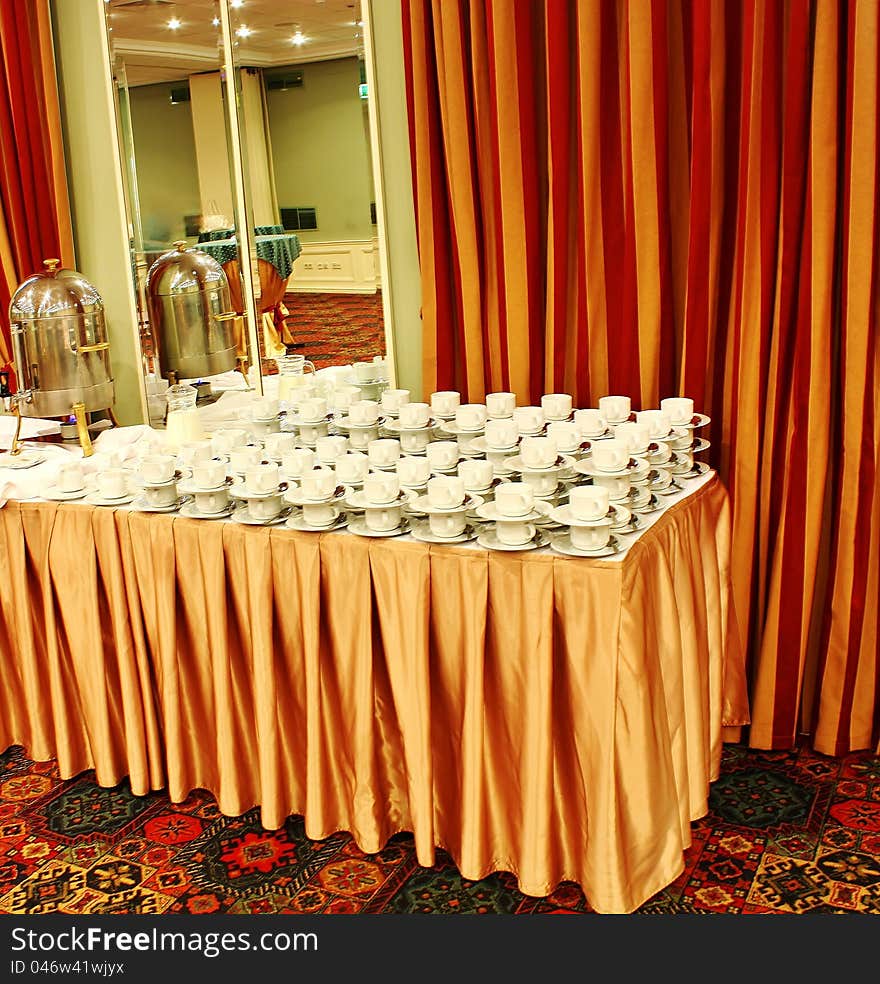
[{"x": 244, "y": 126}]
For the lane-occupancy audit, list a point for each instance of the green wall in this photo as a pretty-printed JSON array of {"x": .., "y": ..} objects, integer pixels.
[
  {"x": 165, "y": 159},
  {"x": 320, "y": 153}
]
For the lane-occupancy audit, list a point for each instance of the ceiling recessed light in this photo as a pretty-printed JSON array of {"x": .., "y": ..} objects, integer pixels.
[
  {"x": 244, "y": 31},
  {"x": 216, "y": 22},
  {"x": 236, "y": 3},
  {"x": 174, "y": 23},
  {"x": 299, "y": 38}
]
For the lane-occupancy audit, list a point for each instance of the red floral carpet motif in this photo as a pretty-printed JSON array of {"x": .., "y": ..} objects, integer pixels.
[{"x": 787, "y": 832}]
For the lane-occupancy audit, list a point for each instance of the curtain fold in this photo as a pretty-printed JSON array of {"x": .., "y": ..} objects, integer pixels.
[
  {"x": 681, "y": 197},
  {"x": 35, "y": 220}
]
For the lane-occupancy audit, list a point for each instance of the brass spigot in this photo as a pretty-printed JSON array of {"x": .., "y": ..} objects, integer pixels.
[{"x": 82, "y": 429}]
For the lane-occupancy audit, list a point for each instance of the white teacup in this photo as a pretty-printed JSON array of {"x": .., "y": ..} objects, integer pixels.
[
  {"x": 343, "y": 396},
  {"x": 414, "y": 441},
  {"x": 192, "y": 451},
  {"x": 381, "y": 487},
  {"x": 681, "y": 440},
  {"x": 313, "y": 409},
  {"x": 240, "y": 459},
  {"x": 537, "y": 452},
  {"x": 156, "y": 468},
  {"x": 542, "y": 483},
  {"x": 364, "y": 413},
  {"x": 684, "y": 460},
  {"x": 295, "y": 462},
  {"x": 71, "y": 477},
  {"x": 161, "y": 496},
  {"x": 634, "y": 435},
  {"x": 471, "y": 416},
  {"x": 679, "y": 408},
  {"x": 501, "y": 432},
  {"x": 210, "y": 474},
  {"x": 657, "y": 422},
  {"x": 447, "y": 524},
  {"x": 446, "y": 491},
  {"x": 588, "y": 502},
  {"x": 529, "y": 420},
  {"x": 383, "y": 452},
  {"x": 320, "y": 513},
  {"x": 590, "y": 537},
  {"x": 227, "y": 438},
  {"x": 413, "y": 471},
  {"x": 266, "y": 408},
  {"x": 318, "y": 484},
  {"x": 382, "y": 519},
  {"x": 514, "y": 534},
  {"x": 277, "y": 445},
  {"x": 364, "y": 372},
  {"x": 476, "y": 473},
  {"x": 556, "y": 406},
  {"x": 359, "y": 438},
  {"x": 262, "y": 477},
  {"x": 330, "y": 448},
  {"x": 442, "y": 454},
  {"x": 590, "y": 422},
  {"x": 211, "y": 502},
  {"x": 500, "y": 404},
  {"x": 565, "y": 435},
  {"x": 413, "y": 415},
  {"x": 618, "y": 486},
  {"x": 112, "y": 483},
  {"x": 514, "y": 499},
  {"x": 611, "y": 455},
  {"x": 393, "y": 400},
  {"x": 444, "y": 403},
  {"x": 267, "y": 508},
  {"x": 615, "y": 409},
  {"x": 352, "y": 467}
]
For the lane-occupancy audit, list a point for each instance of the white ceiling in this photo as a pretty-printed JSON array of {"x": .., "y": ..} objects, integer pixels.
[{"x": 152, "y": 52}]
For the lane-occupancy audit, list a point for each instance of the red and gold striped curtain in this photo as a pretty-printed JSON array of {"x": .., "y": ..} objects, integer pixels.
[
  {"x": 680, "y": 196},
  {"x": 34, "y": 207}
]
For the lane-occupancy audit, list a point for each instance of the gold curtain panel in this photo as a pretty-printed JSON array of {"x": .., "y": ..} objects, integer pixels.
[{"x": 558, "y": 718}]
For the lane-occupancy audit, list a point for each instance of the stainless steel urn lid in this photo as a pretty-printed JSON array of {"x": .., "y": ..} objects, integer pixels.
[
  {"x": 185, "y": 270},
  {"x": 54, "y": 293}
]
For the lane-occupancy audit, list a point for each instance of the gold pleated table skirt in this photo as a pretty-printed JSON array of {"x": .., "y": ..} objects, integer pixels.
[{"x": 554, "y": 717}]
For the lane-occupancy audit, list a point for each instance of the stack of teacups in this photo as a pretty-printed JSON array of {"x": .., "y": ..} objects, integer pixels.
[
  {"x": 609, "y": 460},
  {"x": 392, "y": 400},
  {"x": 297, "y": 461},
  {"x": 370, "y": 378},
  {"x": 529, "y": 420},
  {"x": 414, "y": 427},
  {"x": 443, "y": 456},
  {"x": 190, "y": 452},
  {"x": 586, "y": 517},
  {"x": 444, "y": 403},
  {"x": 319, "y": 498},
  {"x": 262, "y": 490},
  {"x": 241, "y": 458},
  {"x": 352, "y": 468},
  {"x": 477, "y": 475},
  {"x": 382, "y": 502},
  {"x": 500, "y": 406},
  {"x": 342, "y": 397},
  {"x": 157, "y": 476},
  {"x": 680, "y": 411},
  {"x": 470, "y": 423},
  {"x": 537, "y": 463},
  {"x": 209, "y": 486},
  {"x": 500, "y": 440},
  {"x": 329, "y": 448},
  {"x": 513, "y": 510},
  {"x": 556, "y": 406},
  {"x": 312, "y": 420},
  {"x": 659, "y": 435},
  {"x": 413, "y": 472},
  {"x": 262, "y": 416},
  {"x": 383, "y": 453},
  {"x": 446, "y": 504},
  {"x": 566, "y": 436},
  {"x": 275, "y": 446},
  {"x": 361, "y": 423}
]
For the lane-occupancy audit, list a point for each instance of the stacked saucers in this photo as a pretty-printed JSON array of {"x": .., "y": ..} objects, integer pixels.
[
  {"x": 392, "y": 400},
  {"x": 413, "y": 471},
  {"x": 588, "y": 523},
  {"x": 262, "y": 495},
  {"x": 443, "y": 457},
  {"x": 540, "y": 465},
  {"x": 275, "y": 446},
  {"x": 157, "y": 476},
  {"x": 382, "y": 502},
  {"x": 329, "y": 449},
  {"x": 321, "y": 499},
  {"x": 413, "y": 427},
  {"x": 361, "y": 423},
  {"x": 27, "y": 457},
  {"x": 209, "y": 486},
  {"x": 239, "y": 459},
  {"x": 611, "y": 464},
  {"x": 468, "y": 425},
  {"x": 513, "y": 513},
  {"x": 352, "y": 468},
  {"x": 312, "y": 420},
  {"x": 446, "y": 504}
]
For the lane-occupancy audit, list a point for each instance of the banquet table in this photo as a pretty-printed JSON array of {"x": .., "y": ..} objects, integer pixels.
[{"x": 556, "y": 717}]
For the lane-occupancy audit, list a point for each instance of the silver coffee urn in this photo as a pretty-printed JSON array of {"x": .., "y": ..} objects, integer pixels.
[
  {"x": 60, "y": 350},
  {"x": 193, "y": 326}
]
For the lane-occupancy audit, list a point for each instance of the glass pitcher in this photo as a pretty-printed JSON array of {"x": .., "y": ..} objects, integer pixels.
[
  {"x": 292, "y": 371},
  {"x": 182, "y": 422}
]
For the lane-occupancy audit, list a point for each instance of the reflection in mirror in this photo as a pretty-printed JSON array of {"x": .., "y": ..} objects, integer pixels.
[
  {"x": 305, "y": 135},
  {"x": 182, "y": 206}
]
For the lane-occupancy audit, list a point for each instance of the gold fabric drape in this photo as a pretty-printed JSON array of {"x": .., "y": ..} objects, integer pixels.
[
  {"x": 556, "y": 718},
  {"x": 681, "y": 197}
]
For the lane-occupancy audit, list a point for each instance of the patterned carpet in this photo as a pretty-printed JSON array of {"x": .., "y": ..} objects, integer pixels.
[{"x": 788, "y": 832}]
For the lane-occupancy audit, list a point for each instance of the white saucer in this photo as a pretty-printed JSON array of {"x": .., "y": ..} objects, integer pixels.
[
  {"x": 489, "y": 540},
  {"x": 563, "y": 462},
  {"x": 698, "y": 420},
  {"x": 94, "y": 499},
  {"x": 563, "y": 516},
  {"x": 24, "y": 459},
  {"x": 699, "y": 468},
  {"x": 561, "y": 543},
  {"x": 479, "y": 444},
  {"x": 395, "y": 425},
  {"x": 140, "y": 504},
  {"x": 422, "y": 531},
  {"x": 296, "y": 522},
  {"x": 488, "y": 511},
  {"x": 355, "y": 498},
  {"x": 178, "y": 476},
  {"x": 189, "y": 510},
  {"x": 190, "y": 489},
  {"x": 359, "y": 526},
  {"x": 293, "y": 420},
  {"x": 700, "y": 444},
  {"x": 446, "y": 471},
  {"x": 344, "y": 423},
  {"x": 450, "y": 427},
  {"x": 672, "y": 489},
  {"x": 636, "y": 468},
  {"x": 634, "y": 524},
  {"x": 421, "y": 504},
  {"x": 56, "y": 495},
  {"x": 296, "y": 498},
  {"x": 653, "y": 505},
  {"x": 241, "y": 516},
  {"x": 241, "y": 491}
]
